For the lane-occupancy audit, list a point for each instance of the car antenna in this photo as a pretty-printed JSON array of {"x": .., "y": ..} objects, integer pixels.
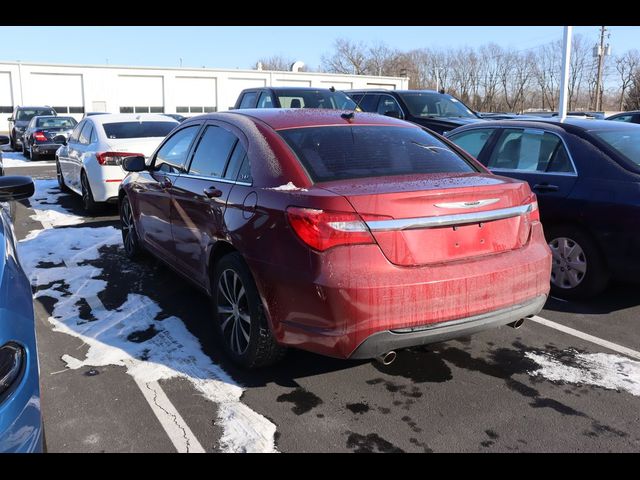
[{"x": 350, "y": 115}]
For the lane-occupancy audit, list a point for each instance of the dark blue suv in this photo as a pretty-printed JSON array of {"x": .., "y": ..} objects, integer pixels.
[{"x": 586, "y": 174}]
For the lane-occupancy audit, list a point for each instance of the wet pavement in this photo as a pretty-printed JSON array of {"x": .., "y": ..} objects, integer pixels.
[{"x": 108, "y": 328}]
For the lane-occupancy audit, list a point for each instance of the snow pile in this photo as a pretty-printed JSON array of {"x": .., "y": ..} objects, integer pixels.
[
  {"x": 604, "y": 370},
  {"x": 57, "y": 261}
]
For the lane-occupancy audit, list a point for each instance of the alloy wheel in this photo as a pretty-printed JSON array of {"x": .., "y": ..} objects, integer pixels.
[
  {"x": 85, "y": 191},
  {"x": 128, "y": 228},
  {"x": 233, "y": 311},
  {"x": 569, "y": 265}
]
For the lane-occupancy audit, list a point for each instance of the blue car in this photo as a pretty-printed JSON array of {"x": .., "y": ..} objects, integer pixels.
[
  {"x": 586, "y": 174},
  {"x": 20, "y": 416}
]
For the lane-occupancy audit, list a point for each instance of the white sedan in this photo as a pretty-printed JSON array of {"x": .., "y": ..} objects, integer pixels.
[{"x": 89, "y": 163}]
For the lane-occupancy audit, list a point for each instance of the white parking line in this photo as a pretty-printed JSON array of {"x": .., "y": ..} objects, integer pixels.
[
  {"x": 177, "y": 429},
  {"x": 589, "y": 338}
]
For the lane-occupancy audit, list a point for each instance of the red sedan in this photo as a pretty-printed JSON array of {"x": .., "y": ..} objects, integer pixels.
[{"x": 346, "y": 234}]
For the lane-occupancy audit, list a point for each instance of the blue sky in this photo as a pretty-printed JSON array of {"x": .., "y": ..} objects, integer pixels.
[{"x": 240, "y": 47}]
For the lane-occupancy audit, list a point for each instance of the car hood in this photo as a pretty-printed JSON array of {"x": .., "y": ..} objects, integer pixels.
[
  {"x": 145, "y": 146},
  {"x": 22, "y": 123}
]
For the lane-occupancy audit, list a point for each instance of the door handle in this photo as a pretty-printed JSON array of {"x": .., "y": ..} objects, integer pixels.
[
  {"x": 166, "y": 183},
  {"x": 212, "y": 192},
  {"x": 545, "y": 187}
]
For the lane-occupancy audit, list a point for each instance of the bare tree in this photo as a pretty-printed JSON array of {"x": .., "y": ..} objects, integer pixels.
[
  {"x": 275, "y": 62},
  {"x": 348, "y": 57},
  {"x": 627, "y": 67}
]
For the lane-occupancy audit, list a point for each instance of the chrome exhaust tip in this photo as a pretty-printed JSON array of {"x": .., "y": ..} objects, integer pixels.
[
  {"x": 517, "y": 324},
  {"x": 387, "y": 358}
]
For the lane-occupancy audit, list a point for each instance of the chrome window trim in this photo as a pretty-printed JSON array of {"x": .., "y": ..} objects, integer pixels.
[
  {"x": 215, "y": 179},
  {"x": 446, "y": 220},
  {"x": 533, "y": 172}
]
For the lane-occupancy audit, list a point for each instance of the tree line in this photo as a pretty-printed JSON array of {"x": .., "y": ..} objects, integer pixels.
[{"x": 492, "y": 78}]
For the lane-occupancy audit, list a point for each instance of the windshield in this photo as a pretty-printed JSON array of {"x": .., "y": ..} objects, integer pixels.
[
  {"x": 29, "y": 113},
  {"x": 341, "y": 152},
  {"x": 427, "y": 104},
  {"x": 56, "y": 122},
  {"x": 624, "y": 141},
  {"x": 314, "y": 99},
  {"x": 138, "y": 129}
]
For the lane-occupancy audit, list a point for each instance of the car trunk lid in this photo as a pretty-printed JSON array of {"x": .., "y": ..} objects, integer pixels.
[{"x": 435, "y": 218}]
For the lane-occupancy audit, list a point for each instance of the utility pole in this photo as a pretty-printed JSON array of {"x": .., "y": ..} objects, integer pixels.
[
  {"x": 600, "y": 53},
  {"x": 566, "y": 59}
]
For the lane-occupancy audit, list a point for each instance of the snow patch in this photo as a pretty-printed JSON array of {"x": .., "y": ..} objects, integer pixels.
[
  {"x": 58, "y": 263},
  {"x": 288, "y": 187},
  {"x": 46, "y": 207},
  {"x": 612, "y": 372}
]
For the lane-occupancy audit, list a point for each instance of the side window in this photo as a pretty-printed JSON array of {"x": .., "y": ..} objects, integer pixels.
[
  {"x": 366, "y": 102},
  {"x": 388, "y": 104},
  {"x": 172, "y": 156},
  {"x": 235, "y": 162},
  {"x": 248, "y": 100},
  {"x": 244, "y": 174},
  {"x": 529, "y": 150},
  {"x": 75, "y": 135},
  {"x": 212, "y": 152},
  {"x": 265, "y": 100},
  {"x": 472, "y": 141},
  {"x": 623, "y": 118},
  {"x": 85, "y": 134}
]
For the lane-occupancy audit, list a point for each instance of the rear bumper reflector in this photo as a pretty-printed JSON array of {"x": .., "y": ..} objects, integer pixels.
[
  {"x": 112, "y": 181},
  {"x": 446, "y": 220}
]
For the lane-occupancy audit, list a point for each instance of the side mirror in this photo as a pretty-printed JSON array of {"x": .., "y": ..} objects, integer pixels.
[
  {"x": 61, "y": 139},
  {"x": 4, "y": 139},
  {"x": 134, "y": 164},
  {"x": 15, "y": 188},
  {"x": 10, "y": 119},
  {"x": 392, "y": 113}
]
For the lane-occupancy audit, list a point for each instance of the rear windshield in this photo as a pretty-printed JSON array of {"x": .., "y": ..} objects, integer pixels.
[
  {"x": 56, "y": 122},
  {"x": 341, "y": 152},
  {"x": 314, "y": 99},
  {"x": 29, "y": 113},
  {"x": 432, "y": 105},
  {"x": 138, "y": 129},
  {"x": 624, "y": 141}
]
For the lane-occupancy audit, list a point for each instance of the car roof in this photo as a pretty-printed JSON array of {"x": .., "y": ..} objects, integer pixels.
[
  {"x": 301, "y": 89},
  {"x": 35, "y": 106},
  {"x": 384, "y": 90},
  {"x": 129, "y": 117},
  {"x": 284, "y": 118},
  {"x": 569, "y": 124}
]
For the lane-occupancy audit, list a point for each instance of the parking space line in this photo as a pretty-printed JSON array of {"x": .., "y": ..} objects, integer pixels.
[
  {"x": 172, "y": 422},
  {"x": 589, "y": 338}
]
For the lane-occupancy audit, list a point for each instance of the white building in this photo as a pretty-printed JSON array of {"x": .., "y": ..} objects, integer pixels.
[{"x": 76, "y": 89}]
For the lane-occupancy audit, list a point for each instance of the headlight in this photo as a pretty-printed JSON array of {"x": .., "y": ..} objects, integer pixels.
[{"x": 11, "y": 361}]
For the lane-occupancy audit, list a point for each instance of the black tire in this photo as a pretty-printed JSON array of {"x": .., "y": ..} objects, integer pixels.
[
  {"x": 132, "y": 247},
  {"x": 33, "y": 155},
  {"x": 261, "y": 348},
  {"x": 596, "y": 275},
  {"x": 61, "y": 184},
  {"x": 25, "y": 152},
  {"x": 88, "y": 203},
  {"x": 14, "y": 145}
]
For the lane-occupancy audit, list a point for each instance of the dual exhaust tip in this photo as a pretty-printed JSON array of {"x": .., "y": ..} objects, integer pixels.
[{"x": 390, "y": 357}]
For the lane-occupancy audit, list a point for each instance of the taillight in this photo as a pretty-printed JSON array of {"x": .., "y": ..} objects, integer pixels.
[
  {"x": 114, "y": 158},
  {"x": 321, "y": 229},
  {"x": 40, "y": 136}
]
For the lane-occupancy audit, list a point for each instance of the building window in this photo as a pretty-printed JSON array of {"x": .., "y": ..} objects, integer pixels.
[
  {"x": 196, "y": 109},
  {"x": 182, "y": 109},
  {"x": 6, "y": 109},
  {"x": 76, "y": 109},
  {"x": 210, "y": 109},
  {"x": 156, "y": 109},
  {"x": 61, "y": 109},
  {"x": 142, "y": 110},
  {"x": 126, "y": 109}
]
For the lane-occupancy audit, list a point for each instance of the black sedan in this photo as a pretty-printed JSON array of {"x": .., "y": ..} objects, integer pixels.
[
  {"x": 38, "y": 138},
  {"x": 586, "y": 174},
  {"x": 628, "y": 117}
]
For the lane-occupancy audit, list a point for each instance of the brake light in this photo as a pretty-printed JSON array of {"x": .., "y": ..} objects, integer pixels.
[
  {"x": 322, "y": 229},
  {"x": 114, "y": 158},
  {"x": 40, "y": 136}
]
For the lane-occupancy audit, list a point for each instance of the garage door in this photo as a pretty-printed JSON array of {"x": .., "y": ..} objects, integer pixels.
[
  {"x": 60, "y": 91},
  {"x": 195, "y": 95},
  {"x": 6, "y": 100},
  {"x": 140, "y": 94}
]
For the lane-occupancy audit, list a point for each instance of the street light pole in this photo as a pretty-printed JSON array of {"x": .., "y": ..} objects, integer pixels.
[
  {"x": 564, "y": 80},
  {"x": 601, "y": 53}
]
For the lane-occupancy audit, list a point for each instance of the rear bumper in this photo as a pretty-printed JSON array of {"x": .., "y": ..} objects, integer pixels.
[
  {"x": 45, "y": 148},
  {"x": 347, "y": 295},
  {"x": 382, "y": 342}
]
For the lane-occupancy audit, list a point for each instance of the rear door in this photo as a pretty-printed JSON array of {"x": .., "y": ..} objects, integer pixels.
[
  {"x": 538, "y": 157},
  {"x": 154, "y": 189},
  {"x": 200, "y": 197},
  {"x": 68, "y": 156}
]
